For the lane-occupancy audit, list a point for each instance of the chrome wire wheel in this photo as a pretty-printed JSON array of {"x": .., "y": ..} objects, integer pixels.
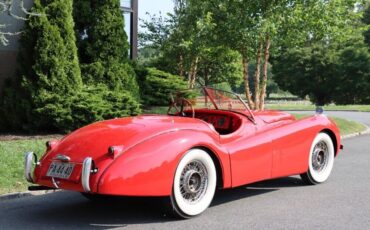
[
  {"x": 321, "y": 160},
  {"x": 194, "y": 181},
  {"x": 194, "y": 184},
  {"x": 320, "y": 157}
]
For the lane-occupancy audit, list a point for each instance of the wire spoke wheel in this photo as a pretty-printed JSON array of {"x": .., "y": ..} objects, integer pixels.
[
  {"x": 321, "y": 160},
  {"x": 194, "y": 184},
  {"x": 320, "y": 157},
  {"x": 193, "y": 181}
]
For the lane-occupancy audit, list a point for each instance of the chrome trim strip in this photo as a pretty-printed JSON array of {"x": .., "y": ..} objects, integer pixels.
[
  {"x": 29, "y": 157},
  {"x": 85, "y": 175}
]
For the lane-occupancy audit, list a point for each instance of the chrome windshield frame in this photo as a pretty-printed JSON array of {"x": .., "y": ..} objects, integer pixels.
[{"x": 212, "y": 99}]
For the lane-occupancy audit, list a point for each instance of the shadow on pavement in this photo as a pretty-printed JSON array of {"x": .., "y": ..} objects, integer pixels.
[{"x": 68, "y": 210}]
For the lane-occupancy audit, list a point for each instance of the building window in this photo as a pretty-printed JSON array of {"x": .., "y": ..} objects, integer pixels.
[{"x": 130, "y": 13}]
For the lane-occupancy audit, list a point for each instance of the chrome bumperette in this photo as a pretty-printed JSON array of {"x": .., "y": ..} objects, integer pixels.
[
  {"x": 85, "y": 175},
  {"x": 30, "y": 159},
  {"x": 55, "y": 183}
]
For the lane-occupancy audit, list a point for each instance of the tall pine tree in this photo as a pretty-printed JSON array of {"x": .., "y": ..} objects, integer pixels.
[
  {"x": 103, "y": 45},
  {"x": 48, "y": 74}
]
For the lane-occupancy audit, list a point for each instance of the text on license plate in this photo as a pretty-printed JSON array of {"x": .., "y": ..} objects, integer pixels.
[{"x": 60, "y": 170}]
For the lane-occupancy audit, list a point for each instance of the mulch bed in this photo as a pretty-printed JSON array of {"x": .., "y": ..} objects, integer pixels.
[{"x": 15, "y": 137}]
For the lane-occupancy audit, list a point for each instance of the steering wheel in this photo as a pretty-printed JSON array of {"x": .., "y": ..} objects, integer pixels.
[{"x": 183, "y": 102}]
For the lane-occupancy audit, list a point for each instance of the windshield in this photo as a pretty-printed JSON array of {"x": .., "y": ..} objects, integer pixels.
[{"x": 210, "y": 98}]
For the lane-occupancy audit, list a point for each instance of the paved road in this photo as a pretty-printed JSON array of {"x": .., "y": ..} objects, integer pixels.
[{"x": 341, "y": 203}]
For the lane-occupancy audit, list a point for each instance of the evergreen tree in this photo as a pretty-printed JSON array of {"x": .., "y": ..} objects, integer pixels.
[
  {"x": 366, "y": 21},
  {"x": 48, "y": 72},
  {"x": 103, "y": 45},
  {"x": 107, "y": 37}
]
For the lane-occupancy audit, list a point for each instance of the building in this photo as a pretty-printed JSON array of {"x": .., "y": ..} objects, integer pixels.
[{"x": 8, "y": 54}]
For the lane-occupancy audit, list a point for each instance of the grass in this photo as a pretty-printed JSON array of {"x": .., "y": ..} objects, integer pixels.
[
  {"x": 345, "y": 126},
  {"x": 12, "y": 163},
  {"x": 156, "y": 110},
  {"x": 12, "y": 154},
  {"x": 288, "y": 106},
  {"x": 293, "y": 106}
]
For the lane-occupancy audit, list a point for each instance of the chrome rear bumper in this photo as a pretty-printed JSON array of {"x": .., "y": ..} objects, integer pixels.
[
  {"x": 85, "y": 174},
  {"x": 88, "y": 167},
  {"x": 30, "y": 159}
]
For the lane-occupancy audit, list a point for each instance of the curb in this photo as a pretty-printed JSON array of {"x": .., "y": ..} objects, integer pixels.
[
  {"x": 18, "y": 195},
  {"x": 367, "y": 131}
]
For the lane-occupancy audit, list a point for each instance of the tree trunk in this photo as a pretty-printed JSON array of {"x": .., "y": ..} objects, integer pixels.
[
  {"x": 257, "y": 75},
  {"x": 194, "y": 73},
  {"x": 206, "y": 76},
  {"x": 246, "y": 81},
  {"x": 265, "y": 68},
  {"x": 181, "y": 66},
  {"x": 190, "y": 74}
]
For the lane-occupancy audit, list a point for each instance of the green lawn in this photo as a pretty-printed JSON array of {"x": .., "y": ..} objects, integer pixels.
[
  {"x": 12, "y": 154},
  {"x": 345, "y": 126},
  {"x": 292, "y": 106},
  {"x": 12, "y": 163}
]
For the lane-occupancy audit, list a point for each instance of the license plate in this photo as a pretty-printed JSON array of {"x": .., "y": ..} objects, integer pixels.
[{"x": 60, "y": 170}]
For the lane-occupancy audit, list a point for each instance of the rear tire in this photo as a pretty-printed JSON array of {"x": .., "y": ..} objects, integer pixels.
[
  {"x": 194, "y": 184},
  {"x": 320, "y": 161}
]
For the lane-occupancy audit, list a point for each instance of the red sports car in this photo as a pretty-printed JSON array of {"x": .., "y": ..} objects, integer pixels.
[{"x": 209, "y": 140}]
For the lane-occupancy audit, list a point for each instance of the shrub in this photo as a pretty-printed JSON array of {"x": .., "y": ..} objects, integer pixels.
[
  {"x": 48, "y": 73},
  {"x": 156, "y": 86},
  {"x": 49, "y": 94},
  {"x": 96, "y": 103}
]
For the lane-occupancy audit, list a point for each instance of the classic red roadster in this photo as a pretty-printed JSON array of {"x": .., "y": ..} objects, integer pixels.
[{"x": 209, "y": 140}]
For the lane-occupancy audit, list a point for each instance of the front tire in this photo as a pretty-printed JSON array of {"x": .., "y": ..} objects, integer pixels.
[
  {"x": 194, "y": 184},
  {"x": 321, "y": 160}
]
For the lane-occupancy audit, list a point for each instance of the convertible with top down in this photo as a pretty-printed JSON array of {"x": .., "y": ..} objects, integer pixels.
[{"x": 209, "y": 140}]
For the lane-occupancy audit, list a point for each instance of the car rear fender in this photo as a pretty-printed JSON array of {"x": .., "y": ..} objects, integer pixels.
[{"x": 148, "y": 168}]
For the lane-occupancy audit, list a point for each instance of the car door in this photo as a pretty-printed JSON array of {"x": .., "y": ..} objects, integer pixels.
[{"x": 250, "y": 154}]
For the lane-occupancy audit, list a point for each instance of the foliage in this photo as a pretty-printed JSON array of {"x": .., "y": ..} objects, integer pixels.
[
  {"x": 272, "y": 86},
  {"x": 49, "y": 93},
  {"x": 180, "y": 45},
  {"x": 353, "y": 75},
  {"x": 100, "y": 25},
  {"x": 103, "y": 45},
  {"x": 332, "y": 67},
  {"x": 48, "y": 71},
  {"x": 96, "y": 103},
  {"x": 366, "y": 21},
  {"x": 156, "y": 86},
  {"x": 307, "y": 71},
  {"x": 255, "y": 28},
  {"x": 325, "y": 73},
  {"x": 116, "y": 76}
]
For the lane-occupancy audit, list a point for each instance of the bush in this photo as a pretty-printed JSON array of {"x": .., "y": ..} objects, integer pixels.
[
  {"x": 156, "y": 86},
  {"x": 96, "y": 103}
]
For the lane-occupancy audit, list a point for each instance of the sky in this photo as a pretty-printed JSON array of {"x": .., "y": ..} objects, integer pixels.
[{"x": 154, "y": 7}]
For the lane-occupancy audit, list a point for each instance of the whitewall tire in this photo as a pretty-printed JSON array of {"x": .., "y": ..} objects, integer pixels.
[
  {"x": 320, "y": 161},
  {"x": 194, "y": 184}
]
